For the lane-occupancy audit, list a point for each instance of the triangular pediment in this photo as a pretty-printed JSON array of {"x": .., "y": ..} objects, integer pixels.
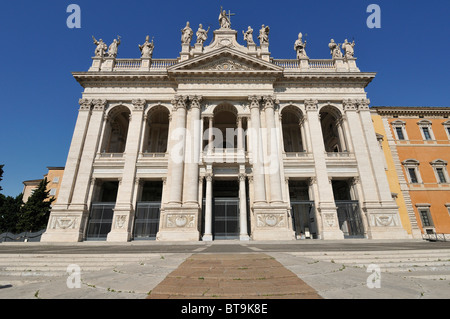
[{"x": 225, "y": 60}]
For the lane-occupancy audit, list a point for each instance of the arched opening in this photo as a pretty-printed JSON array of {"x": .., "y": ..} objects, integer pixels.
[
  {"x": 333, "y": 137},
  {"x": 220, "y": 132},
  {"x": 116, "y": 130},
  {"x": 156, "y": 130},
  {"x": 225, "y": 121},
  {"x": 292, "y": 133}
]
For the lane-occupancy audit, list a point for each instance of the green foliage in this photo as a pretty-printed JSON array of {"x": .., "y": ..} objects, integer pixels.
[
  {"x": 35, "y": 212},
  {"x": 17, "y": 217},
  {"x": 1, "y": 175},
  {"x": 9, "y": 212}
]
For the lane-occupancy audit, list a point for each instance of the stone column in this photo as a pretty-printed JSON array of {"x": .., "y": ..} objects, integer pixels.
[
  {"x": 207, "y": 236},
  {"x": 210, "y": 135},
  {"x": 176, "y": 150},
  {"x": 256, "y": 141},
  {"x": 56, "y": 231},
  {"x": 326, "y": 205},
  {"x": 243, "y": 233},
  {"x": 240, "y": 156},
  {"x": 192, "y": 154},
  {"x": 301, "y": 125},
  {"x": 124, "y": 209},
  {"x": 178, "y": 223},
  {"x": 272, "y": 151}
]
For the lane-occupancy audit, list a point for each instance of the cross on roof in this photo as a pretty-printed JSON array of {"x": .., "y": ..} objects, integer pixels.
[{"x": 229, "y": 14}]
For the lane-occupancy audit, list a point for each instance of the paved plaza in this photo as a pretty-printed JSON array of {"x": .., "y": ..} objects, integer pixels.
[{"x": 351, "y": 269}]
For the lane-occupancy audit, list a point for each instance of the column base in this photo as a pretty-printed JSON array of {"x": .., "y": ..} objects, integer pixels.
[
  {"x": 207, "y": 237},
  {"x": 61, "y": 237},
  {"x": 335, "y": 234},
  {"x": 384, "y": 223},
  {"x": 65, "y": 224},
  {"x": 330, "y": 222},
  {"x": 116, "y": 236},
  {"x": 271, "y": 223},
  {"x": 244, "y": 237},
  {"x": 178, "y": 235},
  {"x": 179, "y": 224}
]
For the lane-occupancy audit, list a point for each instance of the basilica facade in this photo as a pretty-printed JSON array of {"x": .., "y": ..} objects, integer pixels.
[{"x": 224, "y": 142}]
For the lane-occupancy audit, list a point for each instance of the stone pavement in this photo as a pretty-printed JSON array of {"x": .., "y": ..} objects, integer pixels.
[
  {"x": 255, "y": 270},
  {"x": 232, "y": 276}
]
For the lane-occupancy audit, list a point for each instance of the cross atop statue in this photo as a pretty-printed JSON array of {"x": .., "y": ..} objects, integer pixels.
[
  {"x": 225, "y": 18},
  {"x": 229, "y": 14}
]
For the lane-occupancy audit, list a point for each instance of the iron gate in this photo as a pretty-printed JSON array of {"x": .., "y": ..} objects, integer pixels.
[
  {"x": 226, "y": 218},
  {"x": 100, "y": 221},
  {"x": 350, "y": 221},
  {"x": 146, "y": 223},
  {"x": 303, "y": 219}
]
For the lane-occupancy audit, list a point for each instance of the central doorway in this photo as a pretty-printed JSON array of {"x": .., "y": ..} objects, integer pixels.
[{"x": 225, "y": 209}]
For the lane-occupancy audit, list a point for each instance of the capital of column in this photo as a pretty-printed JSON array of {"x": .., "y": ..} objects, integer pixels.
[
  {"x": 138, "y": 104},
  {"x": 269, "y": 101},
  {"x": 254, "y": 101},
  {"x": 195, "y": 101},
  {"x": 363, "y": 104},
  {"x": 209, "y": 177},
  {"x": 242, "y": 177},
  {"x": 349, "y": 105},
  {"x": 179, "y": 101},
  {"x": 85, "y": 104},
  {"x": 312, "y": 181},
  {"x": 99, "y": 104},
  {"x": 311, "y": 105}
]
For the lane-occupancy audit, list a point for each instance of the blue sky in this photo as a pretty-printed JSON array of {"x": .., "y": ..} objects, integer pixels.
[{"x": 39, "y": 97}]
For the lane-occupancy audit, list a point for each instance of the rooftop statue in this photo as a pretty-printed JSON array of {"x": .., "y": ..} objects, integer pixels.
[
  {"x": 201, "y": 34},
  {"x": 299, "y": 47},
  {"x": 335, "y": 49},
  {"x": 186, "y": 34},
  {"x": 224, "y": 19},
  {"x": 101, "y": 47},
  {"x": 264, "y": 34},
  {"x": 113, "y": 48},
  {"x": 248, "y": 35},
  {"x": 147, "y": 48},
  {"x": 348, "y": 48}
]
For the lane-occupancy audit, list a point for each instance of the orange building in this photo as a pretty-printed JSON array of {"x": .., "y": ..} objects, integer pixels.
[
  {"x": 419, "y": 141},
  {"x": 54, "y": 177}
]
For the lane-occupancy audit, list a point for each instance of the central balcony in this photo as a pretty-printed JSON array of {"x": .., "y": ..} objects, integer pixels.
[{"x": 224, "y": 155}]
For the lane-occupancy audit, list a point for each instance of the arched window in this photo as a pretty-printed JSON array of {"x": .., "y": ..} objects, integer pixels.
[
  {"x": 225, "y": 121},
  {"x": 116, "y": 130},
  {"x": 156, "y": 130},
  {"x": 292, "y": 134},
  {"x": 333, "y": 136}
]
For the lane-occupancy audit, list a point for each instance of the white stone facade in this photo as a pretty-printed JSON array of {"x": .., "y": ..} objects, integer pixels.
[{"x": 148, "y": 125}]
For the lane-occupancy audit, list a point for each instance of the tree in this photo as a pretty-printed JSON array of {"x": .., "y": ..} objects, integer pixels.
[
  {"x": 10, "y": 208},
  {"x": 1, "y": 175},
  {"x": 35, "y": 212}
]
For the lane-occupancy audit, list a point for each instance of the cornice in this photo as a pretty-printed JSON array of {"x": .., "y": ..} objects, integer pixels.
[{"x": 411, "y": 110}]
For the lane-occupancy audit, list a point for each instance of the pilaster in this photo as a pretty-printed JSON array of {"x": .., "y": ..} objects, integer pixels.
[
  {"x": 325, "y": 204},
  {"x": 124, "y": 208},
  {"x": 178, "y": 222},
  {"x": 68, "y": 217}
]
